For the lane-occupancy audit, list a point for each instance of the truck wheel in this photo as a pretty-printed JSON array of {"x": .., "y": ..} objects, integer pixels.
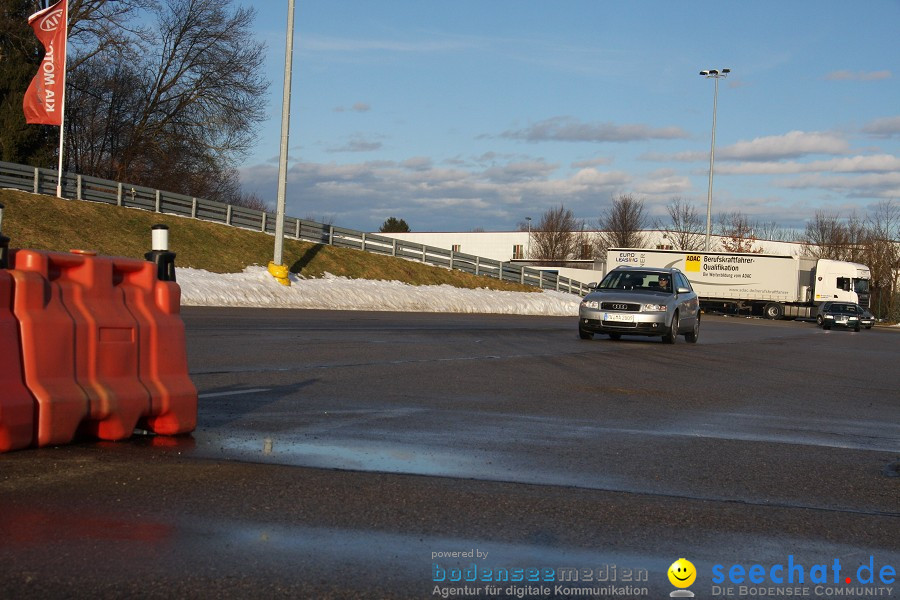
[
  {"x": 670, "y": 337},
  {"x": 692, "y": 336},
  {"x": 773, "y": 310}
]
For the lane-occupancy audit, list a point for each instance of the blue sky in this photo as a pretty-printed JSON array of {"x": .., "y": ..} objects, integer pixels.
[{"x": 477, "y": 114}]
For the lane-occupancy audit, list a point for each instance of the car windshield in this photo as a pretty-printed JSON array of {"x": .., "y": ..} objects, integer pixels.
[
  {"x": 843, "y": 308},
  {"x": 637, "y": 280}
]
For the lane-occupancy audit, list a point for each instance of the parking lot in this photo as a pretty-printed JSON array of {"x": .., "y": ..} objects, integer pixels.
[{"x": 343, "y": 454}]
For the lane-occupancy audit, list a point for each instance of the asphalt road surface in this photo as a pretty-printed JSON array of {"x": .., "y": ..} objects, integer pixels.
[{"x": 384, "y": 455}]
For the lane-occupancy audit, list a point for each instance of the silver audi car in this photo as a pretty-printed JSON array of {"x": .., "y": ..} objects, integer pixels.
[{"x": 641, "y": 301}]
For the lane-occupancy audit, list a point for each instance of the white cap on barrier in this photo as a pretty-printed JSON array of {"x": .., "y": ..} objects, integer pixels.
[{"x": 159, "y": 238}]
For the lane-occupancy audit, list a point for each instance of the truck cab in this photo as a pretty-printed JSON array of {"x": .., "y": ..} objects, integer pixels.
[{"x": 838, "y": 280}]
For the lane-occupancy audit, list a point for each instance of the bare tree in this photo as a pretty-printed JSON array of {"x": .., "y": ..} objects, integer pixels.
[
  {"x": 738, "y": 232},
  {"x": 858, "y": 236},
  {"x": 829, "y": 236},
  {"x": 685, "y": 229},
  {"x": 176, "y": 106},
  {"x": 825, "y": 236},
  {"x": 774, "y": 231},
  {"x": 622, "y": 225},
  {"x": 109, "y": 27},
  {"x": 557, "y": 236},
  {"x": 882, "y": 256}
]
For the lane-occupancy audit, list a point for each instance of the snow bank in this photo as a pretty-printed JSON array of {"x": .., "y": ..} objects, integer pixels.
[{"x": 255, "y": 287}]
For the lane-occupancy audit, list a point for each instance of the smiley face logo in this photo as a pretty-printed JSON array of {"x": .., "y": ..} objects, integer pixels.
[{"x": 682, "y": 573}]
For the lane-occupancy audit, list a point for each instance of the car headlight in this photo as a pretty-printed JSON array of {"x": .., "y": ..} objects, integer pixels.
[
  {"x": 829, "y": 316},
  {"x": 590, "y": 304},
  {"x": 653, "y": 308}
]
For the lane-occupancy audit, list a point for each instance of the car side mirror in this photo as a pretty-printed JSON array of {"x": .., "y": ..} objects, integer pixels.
[
  {"x": 592, "y": 285},
  {"x": 683, "y": 290}
]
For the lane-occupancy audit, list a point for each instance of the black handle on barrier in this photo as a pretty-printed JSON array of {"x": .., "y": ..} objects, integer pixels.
[
  {"x": 160, "y": 255},
  {"x": 165, "y": 264},
  {"x": 4, "y": 244}
]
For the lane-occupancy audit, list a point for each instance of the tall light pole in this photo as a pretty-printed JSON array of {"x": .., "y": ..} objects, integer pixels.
[
  {"x": 712, "y": 74},
  {"x": 278, "y": 270}
]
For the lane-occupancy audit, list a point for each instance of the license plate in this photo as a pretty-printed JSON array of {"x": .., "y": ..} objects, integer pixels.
[{"x": 617, "y": 317}]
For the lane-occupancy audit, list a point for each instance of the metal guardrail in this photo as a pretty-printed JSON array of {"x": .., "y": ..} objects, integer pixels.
[{"x": 93, "y": 189}]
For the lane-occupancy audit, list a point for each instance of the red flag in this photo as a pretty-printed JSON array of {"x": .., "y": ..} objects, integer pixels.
[{"x": 43, "y": 103}]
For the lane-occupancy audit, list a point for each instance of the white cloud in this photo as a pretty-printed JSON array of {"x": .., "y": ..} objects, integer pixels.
[
  {"x": 318, "y": 43},
  {"x": 790, "y": 145},
  {"x": 593, "y": 162},
  {"x": 793, "y": 144},
  {"x": 885, "y": 128},
  {"x": 855, "y": 164},
  {"x": 568, "y": 129},
  {"x": 871, "y": 185},
  {"x": 520, "y": 171},
  {"x": 357, "y": 144},
  {"x": 858, "y": 75},
  {"x": 664, "y": 182},
  {"x": 357, "y": 107}
]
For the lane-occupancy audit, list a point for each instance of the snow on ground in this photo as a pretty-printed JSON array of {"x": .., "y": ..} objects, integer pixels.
[{"x": 256, "y": 287}]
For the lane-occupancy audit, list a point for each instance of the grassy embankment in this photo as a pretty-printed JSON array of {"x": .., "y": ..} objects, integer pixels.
[{"x": 48, "y": 223}]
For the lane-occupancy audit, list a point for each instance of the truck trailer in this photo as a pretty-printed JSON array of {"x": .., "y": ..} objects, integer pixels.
[{"x": 770, "y": 285}]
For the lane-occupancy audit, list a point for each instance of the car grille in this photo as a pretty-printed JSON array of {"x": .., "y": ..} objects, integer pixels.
[{"x": 620, "y": 306}]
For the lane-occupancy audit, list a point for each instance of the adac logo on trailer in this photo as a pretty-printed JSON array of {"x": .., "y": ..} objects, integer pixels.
[{"x": 692, "y": 262}]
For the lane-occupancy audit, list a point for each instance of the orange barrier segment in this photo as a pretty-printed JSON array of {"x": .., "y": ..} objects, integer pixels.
[
  {"x": 47, "y": 337},
  {"x": 102, "y": 348},
  {"x": 162, "y": 365},
  {"x": 16, "y": 404},
  {"x": 106, "y": 345},
  {"x": 79, "y": 346}
]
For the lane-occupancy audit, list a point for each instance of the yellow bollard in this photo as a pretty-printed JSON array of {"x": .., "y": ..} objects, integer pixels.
[{"x": 280, "y": 273}]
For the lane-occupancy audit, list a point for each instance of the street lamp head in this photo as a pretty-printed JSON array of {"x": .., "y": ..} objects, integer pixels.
[{"x": 715, "y": 73}]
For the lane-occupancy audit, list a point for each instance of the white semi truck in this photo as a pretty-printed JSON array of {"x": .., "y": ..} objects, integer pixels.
[{"x": 774, "y": 286}]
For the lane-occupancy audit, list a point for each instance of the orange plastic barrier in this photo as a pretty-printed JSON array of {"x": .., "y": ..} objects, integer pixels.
[
  {"x": 98, "y": 347},
  {"x": 163, "y": 369},
  {"x": 16, "y": 403},
  {"x": 102, "y": 346},
  {"x": 47, "y": 338}
]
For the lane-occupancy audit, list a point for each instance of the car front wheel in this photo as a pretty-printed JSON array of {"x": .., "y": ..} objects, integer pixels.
[
  {"x": 585, "y": 335},
  {"x": 670, "y": 337}
]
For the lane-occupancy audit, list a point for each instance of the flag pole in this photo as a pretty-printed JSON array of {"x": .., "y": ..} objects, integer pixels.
[{"x": 62, "y": 107}]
